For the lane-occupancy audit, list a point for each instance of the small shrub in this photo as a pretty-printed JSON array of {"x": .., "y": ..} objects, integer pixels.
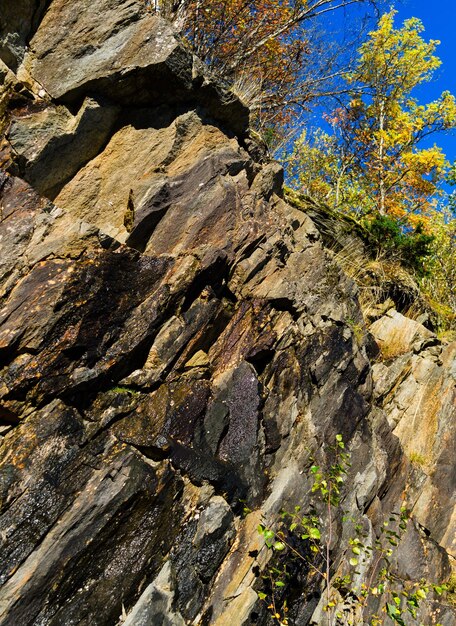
[
  {"x": 417, "y": 459},
  {"x": 308, "y": 538},
  {"x": 390, "y": 238}
]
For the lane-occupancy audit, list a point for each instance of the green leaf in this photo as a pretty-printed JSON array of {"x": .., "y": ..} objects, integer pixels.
[
  {"x": 356, "y": 550},
  {"x": 261, "y": 595},
  {"x": 314, "y": 533},
  {"x": 353, "y": 561},
  {"x": 279, "y": 583},
  {"x": 395, "y": 614},
  {"x": 391, "y": 609},
  {"x": 339, "y": 437},
  {"x": 279, "y": 546}
]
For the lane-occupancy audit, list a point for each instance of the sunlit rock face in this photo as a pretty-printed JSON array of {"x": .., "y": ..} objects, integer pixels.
[{"x": 178, "y": 344}]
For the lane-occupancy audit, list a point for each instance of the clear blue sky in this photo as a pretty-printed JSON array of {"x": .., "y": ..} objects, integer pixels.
[{"x": 439, "y": 20}]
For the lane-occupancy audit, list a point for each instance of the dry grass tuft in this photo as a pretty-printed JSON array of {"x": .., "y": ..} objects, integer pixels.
[
  {"x": 249, "y": 90},
  {"x": 375, "y": 278}
]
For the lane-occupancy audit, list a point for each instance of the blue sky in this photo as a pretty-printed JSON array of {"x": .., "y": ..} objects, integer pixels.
[{"x": 439, "y": 20}]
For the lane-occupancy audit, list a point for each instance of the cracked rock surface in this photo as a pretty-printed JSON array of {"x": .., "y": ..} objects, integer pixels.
[{"x": 177, "y": 343}]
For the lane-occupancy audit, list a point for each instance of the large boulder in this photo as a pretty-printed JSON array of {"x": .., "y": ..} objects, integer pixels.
[{"x": 114, "y": 49}]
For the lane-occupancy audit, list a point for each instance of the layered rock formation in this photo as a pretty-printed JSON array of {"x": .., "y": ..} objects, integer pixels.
[{"x": 177, "y": 344}]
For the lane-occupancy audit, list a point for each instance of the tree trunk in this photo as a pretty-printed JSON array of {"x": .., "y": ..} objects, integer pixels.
[{"x": 381, "y": 159}]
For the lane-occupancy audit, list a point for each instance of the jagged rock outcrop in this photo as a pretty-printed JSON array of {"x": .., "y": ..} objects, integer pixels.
[
  {"x": 417, "y": 391},
  {"x": 177, "y": 343}
]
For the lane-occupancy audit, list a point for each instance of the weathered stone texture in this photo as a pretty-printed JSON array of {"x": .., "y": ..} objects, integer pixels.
[
  {"x": 418, "y": 393},
  {"x": 177, "y": 343}
]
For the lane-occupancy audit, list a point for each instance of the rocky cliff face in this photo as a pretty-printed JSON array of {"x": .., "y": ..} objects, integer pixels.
[{"x": 177, "y": 344}]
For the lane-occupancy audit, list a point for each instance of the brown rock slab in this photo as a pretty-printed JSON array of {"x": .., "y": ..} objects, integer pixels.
[
  {"x": 50, "y": 145},
  {"x": 149, "y": 179},
  {"x": 397, "y": 334}
]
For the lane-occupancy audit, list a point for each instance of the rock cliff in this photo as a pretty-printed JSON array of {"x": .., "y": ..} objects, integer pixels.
[{"x": 177, "y": 343}]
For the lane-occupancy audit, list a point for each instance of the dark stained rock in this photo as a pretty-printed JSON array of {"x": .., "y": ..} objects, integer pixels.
[
  {"x": 35, "y": 482},
  {"x": 171, "y": 414},
  {"x": 201, "y": 550},
  {"x": 239, "y": 392},
  {"x": 75, "y": 338},
  {"x": 102, "y": 555}
]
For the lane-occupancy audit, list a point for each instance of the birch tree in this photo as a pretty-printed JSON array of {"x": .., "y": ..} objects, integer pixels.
[{"x": 387, "y": 124}]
